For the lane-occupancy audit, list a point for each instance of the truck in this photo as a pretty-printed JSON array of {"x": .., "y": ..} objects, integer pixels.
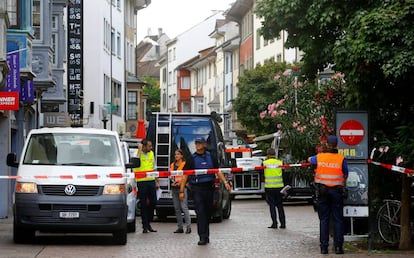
[
  {"x": 169, "y": 131},
  {"x": 71, "y": 180}
]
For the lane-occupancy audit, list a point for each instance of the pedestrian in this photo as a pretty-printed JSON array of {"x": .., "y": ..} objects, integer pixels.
[
  {"x": 331, "y": 171},
  {"x": 273, "y": 188},
  {"x": 202, "y": 187},
  {"x": 147, "y": 186},
  {"x": 180, "y": 206}
]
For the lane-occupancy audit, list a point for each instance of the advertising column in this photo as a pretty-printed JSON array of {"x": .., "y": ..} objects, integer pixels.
[{"x": 352, "y": 132}]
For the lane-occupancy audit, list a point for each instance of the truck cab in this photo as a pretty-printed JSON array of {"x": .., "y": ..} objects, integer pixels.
[{"x": 169, "y": 131}]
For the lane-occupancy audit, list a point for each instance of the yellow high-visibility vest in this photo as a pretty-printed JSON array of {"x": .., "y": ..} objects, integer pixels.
[
  {"x": 272, "y": 173},
  {"x": 147, "y": 163}
]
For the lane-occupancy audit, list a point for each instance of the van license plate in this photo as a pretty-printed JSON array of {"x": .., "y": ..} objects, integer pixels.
[
  {"x": 69, "y": 214},
  {"x": 166, "y": 195}
]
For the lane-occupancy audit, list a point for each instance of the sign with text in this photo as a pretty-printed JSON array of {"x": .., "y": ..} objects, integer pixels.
[
  {"x": 352, "y": 132},
  {"x": 9, "y": 100},
  {"x": 27, "y": 92},
  {"x": 55, "y": 119},
  {"x": 13, "y": 77},
  {"x": 75, "y": 61}
]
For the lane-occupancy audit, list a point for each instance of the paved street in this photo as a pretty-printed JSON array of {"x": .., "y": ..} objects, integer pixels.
[{"x": 245, "y": 234}]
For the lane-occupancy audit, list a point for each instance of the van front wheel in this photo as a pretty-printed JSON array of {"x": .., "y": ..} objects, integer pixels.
[
  {"x": 22, "y": 235},
  {"x": 120, "y": 237}
]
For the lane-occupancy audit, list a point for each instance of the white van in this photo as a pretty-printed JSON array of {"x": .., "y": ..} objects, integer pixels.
[{"x": 70, "y": 180}]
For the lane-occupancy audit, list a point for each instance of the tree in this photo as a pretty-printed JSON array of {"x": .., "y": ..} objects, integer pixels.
[
  {"x": 258, "y": 82},
  {"x": 152, "y": 89},
  {"x": 371, "y": 42}
]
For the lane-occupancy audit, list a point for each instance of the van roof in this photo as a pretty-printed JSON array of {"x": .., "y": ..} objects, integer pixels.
[{"x": 80, "y": 130}]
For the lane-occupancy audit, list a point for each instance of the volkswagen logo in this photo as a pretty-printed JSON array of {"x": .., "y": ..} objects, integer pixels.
[{"x": 70, "y": 190}]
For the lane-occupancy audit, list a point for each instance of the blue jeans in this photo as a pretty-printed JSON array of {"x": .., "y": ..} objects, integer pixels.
[{"x": 330, "y": 204}]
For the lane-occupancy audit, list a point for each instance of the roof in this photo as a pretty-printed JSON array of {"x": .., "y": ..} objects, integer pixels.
[{"x": 78, "y": 130}]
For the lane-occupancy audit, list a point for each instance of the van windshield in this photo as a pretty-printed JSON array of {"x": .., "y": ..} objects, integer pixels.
[{"x": 72, "y": 149}]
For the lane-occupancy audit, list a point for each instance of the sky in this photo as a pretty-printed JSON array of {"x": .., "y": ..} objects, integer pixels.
[{"x": 176, "y": 16}]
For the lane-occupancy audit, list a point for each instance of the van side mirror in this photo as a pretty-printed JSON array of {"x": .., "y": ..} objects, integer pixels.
[
  {"x": 12, "y": 160},
  {"x": 134, "y": 162}
]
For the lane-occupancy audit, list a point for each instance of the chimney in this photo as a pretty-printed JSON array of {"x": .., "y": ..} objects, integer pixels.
[
  {"x": 159, "y": 32},
  {"x": 149, "y": 32}
]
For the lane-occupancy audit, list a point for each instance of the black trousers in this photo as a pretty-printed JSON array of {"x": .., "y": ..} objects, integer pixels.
[
  {"x": 275, "y": 200},
  {"x": 203, "y": 204},
  {"x": 148, "y": 199}
]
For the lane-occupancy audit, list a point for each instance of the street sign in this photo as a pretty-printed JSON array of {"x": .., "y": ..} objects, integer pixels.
[{"x": 351, "y": 132}]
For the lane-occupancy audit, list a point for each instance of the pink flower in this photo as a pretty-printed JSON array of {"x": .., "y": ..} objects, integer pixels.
[
  {"x": 277, "y": 77},
  {"x": 286, "y": 73},
  {"x": 263, "y": 114},
  {"x": 399, "y": 160}
]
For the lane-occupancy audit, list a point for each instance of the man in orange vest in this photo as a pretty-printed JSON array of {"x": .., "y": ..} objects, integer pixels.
[{"x": 331, "y": 171}]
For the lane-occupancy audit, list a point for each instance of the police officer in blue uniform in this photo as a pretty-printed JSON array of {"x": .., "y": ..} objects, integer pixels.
[{"x": 202, "y": 187}]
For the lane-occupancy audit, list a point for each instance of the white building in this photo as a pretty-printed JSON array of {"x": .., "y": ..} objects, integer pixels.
[{"x": 179, "y": 50}]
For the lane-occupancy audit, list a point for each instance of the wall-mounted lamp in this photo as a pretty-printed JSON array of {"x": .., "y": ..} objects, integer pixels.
[{"x": 104, "y": 113}]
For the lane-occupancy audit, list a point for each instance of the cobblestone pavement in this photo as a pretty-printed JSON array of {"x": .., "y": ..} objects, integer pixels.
[{"x": 245, "y": 234}]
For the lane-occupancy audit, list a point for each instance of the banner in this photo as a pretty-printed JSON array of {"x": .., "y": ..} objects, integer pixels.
[
  {"x": 27, "y": 92},
  {"x": 13, "y": 77},
  {"x": 9, "y": 100}
]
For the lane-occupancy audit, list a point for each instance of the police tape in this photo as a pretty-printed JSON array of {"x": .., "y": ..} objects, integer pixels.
[
  {"x": 391, "y": 167},
  {"x": 152, "y": 173},
  {"x": 161, "y": 174}
]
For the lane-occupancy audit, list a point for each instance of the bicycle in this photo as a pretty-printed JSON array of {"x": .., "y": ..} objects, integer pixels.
[{"x": 388, "y": 217}]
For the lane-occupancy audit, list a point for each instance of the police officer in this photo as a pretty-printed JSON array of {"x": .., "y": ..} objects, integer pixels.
[
  {"x": 330, "y": 175},
  {"x": 273, "y": 186},
  {"x": 202, "y": 187},
  {"x": 147, "y": 185}
]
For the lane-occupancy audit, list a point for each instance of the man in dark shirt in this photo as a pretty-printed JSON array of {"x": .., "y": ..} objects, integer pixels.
[{"x": 202, "y": 187}]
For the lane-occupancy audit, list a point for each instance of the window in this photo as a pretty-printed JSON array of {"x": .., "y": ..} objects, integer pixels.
[
  {"x": 116, "y": 98},
  {"x": 113, "y": 41},
  {"x": 132, "y": 105},
  {"x": 37, "y": 18},
  {"x": 185, "y": 83},
  {"x": 118, "y": 44},
  {"x": 13, "y": 10},
  {"x": 199, "y": 105}
]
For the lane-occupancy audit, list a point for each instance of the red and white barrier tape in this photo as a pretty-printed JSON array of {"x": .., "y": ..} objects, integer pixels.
[
  {"x": 406, "y": 171},
  {"x": 152, "y": 173}
]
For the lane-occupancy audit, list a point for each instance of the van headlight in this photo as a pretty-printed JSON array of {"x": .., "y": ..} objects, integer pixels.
[
  {"x": 22, "y": 187},
  {"x": 114, "y": 189}
]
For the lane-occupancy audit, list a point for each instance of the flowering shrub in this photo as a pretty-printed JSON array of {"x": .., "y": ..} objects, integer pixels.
[{"x": 304, "y": 114}]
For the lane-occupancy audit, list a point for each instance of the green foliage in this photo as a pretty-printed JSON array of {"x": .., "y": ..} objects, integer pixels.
[
  {"x": 260, "y": 84},
  {"x": 152, "y": 89}
]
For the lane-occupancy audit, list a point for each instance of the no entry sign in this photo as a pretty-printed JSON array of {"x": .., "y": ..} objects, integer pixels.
[{"x": 351, "y": 132}]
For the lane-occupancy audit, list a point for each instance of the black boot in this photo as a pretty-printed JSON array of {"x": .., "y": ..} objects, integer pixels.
[{"x": 339, "y": 250}]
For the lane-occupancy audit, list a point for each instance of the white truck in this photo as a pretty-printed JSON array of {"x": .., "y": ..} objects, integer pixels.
[
  {"x": 71, "y": 180},
  {"x": 249, "y": 182}
]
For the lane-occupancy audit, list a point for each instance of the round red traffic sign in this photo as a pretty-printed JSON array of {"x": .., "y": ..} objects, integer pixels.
[{"x": 351, "y": 132}]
